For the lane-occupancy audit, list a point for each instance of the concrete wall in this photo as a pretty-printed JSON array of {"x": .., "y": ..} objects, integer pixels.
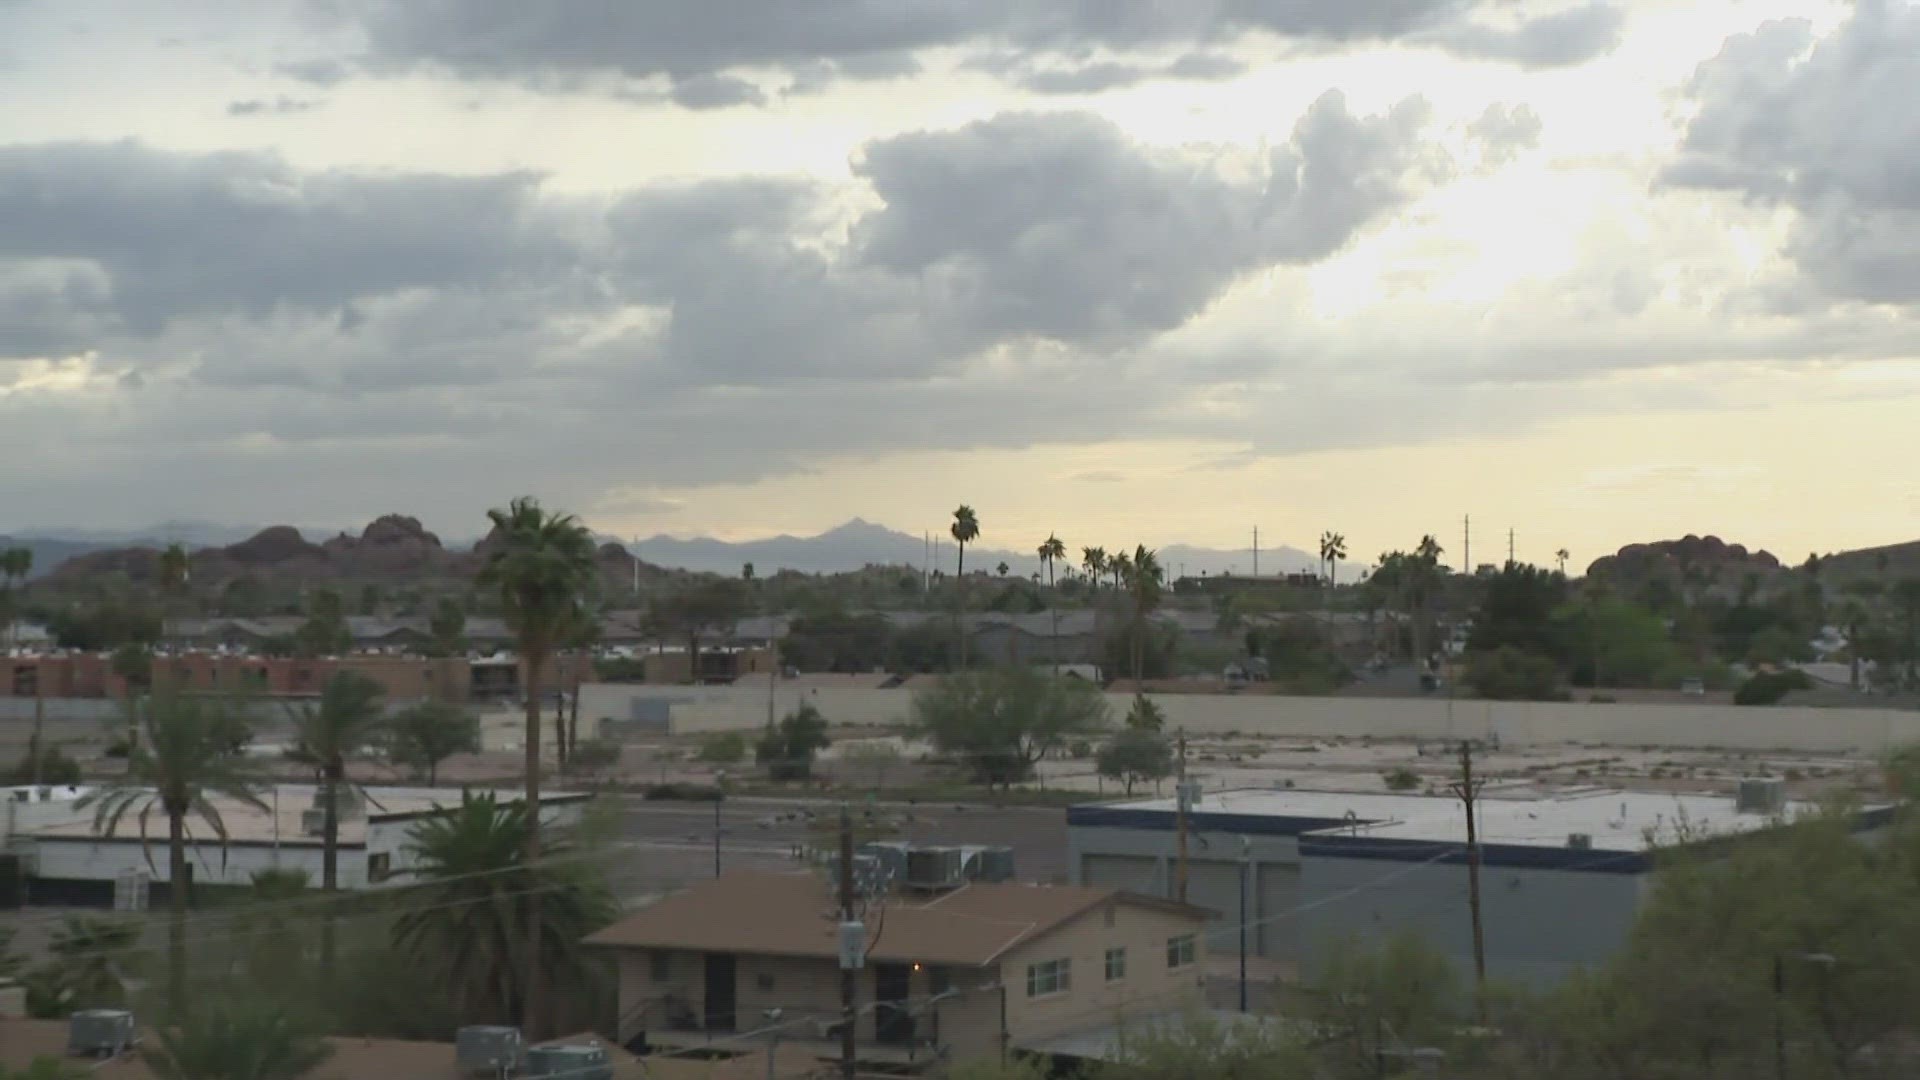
[
  {"x": 1539, "y": 924},
  {"x": 1870, "y": 731}
]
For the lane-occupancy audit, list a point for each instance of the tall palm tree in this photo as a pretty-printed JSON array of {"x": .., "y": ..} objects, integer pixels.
[
  {"x": 1094, "y": 560},
  {"x": 542, "y": 565},
  {"x": 965, "y": 528},
  {"x": 347, "y": 720},
  {"x": 1561, "y": 556},
  {"x": 186, "y": 760},
  {"x": 476, "y": 891},
  {"x": 15, "y": 564},
  {"x": 1423, "y": 580},
  {"x": 1333, "y": 552},
  {"x": 1051, "y": 551},
  {"x": 1143, "y": 583},
  {"x": 1121, "y": 567}
]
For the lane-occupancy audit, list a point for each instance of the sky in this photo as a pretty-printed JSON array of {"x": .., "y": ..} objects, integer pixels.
[{"x": 1596, "y": 271}]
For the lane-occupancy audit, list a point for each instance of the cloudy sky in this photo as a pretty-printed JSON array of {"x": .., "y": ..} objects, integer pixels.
[{"x": 1159, "y": 270}]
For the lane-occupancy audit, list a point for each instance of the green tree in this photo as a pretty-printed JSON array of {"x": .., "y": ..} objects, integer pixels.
[
  {"x": 787, "y": 748},
  {"x": 999, "y": 723},
  {"x": 466, "y": 919},
  {"x": 1333, "y": 552},
  {"x": 837, "y": 641},
  {"x": 1372, "y": 1007},
  {"x": 15, "y": 564},
  {"x": 174, "y": 567},
  {"x": 1507, "y": 674},
  {"x": 1094, "y": 561},
  {"x": 542, "y": 569},
  {"x": 423, "y": 735},
  {"x": 185, "y": 760},
  {"x": 1134, "y": 755},
  {"x": 238, "y": 1037},
  {"x": 325, "y": 632},
  {"x": 1145, "y": 581},
  {"x": 447, "y": 628},
  {"x": 133, "y": 662},
  {"x": 1516, "y": 611},
  {"x": 965, "y": 529},
  {"x": 348, "y": 719},
  {"x": 710, "y": 604},
  {"x": 1146, "y": 715},
  {"x": 1613, "y": 642}
]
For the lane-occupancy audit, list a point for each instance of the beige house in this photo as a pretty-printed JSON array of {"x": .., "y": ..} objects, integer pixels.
[{"x": 949, "y": 976}]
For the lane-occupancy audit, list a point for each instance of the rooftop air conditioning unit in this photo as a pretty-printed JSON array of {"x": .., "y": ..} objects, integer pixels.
[
  {"x": 1761, "y": 795},
  {"x": 577, "y": 1061},
  {"x": 991, "y": 864},
  {"x": 935, "y": 868},
  {"x": 1579, "y": 841},
  {"x": 100, "y": 1032},
  {"x": 487, "y": 1050}
]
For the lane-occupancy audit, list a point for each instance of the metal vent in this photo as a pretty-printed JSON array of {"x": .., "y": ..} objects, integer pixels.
[
  {"x": 935, "y": 868},
  {"x": 487, "y": 1050},
  {"x": 1761, "y": 795},
  {"x": 576, "y": 1061},
  {"x": 1580, "y": 841},
  {"x": 100, "y": 1032}
]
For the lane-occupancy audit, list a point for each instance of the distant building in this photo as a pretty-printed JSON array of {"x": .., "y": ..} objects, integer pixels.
[
  {"x": 1563, "y": 875},
  {"x": 402, "y": 678}
]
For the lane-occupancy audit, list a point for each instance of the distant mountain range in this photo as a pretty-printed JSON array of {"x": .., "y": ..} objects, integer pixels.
[
  {"x": 848, "y": 547},
  {"x": 861, "y": 543}
]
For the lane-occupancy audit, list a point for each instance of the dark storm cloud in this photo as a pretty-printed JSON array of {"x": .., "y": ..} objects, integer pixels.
[
  {"x": 542, "y": 43},
  {"x": 714, "y": 91},
  {"x": 183, "y": 235},
  {"x": 1825, "y": 126}
]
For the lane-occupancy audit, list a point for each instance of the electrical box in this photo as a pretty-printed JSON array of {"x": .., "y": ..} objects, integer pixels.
[{"x": 853, "y": 946}]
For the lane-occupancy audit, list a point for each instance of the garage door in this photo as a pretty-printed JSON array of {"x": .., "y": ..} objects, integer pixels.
[
  {"x": 1279, "y": 923},
  {"x": 1215, "y": 885},
  {"x": 1134, "y": 873}
]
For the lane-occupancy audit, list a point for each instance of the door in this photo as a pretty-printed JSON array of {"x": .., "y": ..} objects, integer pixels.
[
  {"x": 720, "y": 992},
  {"x": 892, "y": 1009}
]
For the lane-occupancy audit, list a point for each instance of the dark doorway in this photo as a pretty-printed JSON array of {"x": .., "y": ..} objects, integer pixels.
[
  {"x": 892, "y": 1011},
  {"x": 720, "y": 996}
]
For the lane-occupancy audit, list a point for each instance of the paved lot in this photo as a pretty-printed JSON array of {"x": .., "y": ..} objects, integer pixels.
[{"x": 667, "y": 844}]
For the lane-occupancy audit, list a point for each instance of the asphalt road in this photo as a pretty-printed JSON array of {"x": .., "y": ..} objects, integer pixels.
[{"x": 670, "y": 844}]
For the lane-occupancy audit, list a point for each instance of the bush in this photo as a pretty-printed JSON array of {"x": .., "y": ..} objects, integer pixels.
[
  {"x": 723, "y": 748},
  {"x": 1507, "y": 674},
  {"x": 55, "y": 768},
  {"x": 1768, "y": 687},
  {"x": 1401, "y": 778}
]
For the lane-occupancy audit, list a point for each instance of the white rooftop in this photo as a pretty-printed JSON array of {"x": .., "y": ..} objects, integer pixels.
[{"x": 1628, "y": 821}]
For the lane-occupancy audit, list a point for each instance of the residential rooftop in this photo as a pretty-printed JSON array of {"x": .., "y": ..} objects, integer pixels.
[{"x": 794, "y": 914}]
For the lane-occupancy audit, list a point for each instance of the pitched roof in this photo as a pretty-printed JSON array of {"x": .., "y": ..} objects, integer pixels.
[{"x": 794, "y": 914}]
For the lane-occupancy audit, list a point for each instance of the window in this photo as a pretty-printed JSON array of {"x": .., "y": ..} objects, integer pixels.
[
  {"x": 1049, "y": 977},
  {"x": 379, "y": 866},
  {"x": 1180, "y": 951},
  {"x": 763, "y": 981},
  {"x": 1116, "y": 964},
  {"x": 661, "y": 963}
]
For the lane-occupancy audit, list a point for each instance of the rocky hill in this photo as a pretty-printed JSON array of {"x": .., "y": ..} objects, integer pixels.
[
  {"x": 1699, "y": 564},
  {"x": 392, "y": 549}
]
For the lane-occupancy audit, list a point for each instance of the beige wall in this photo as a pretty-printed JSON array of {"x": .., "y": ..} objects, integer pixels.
[
  {"x": 969, "y": 1020},
  {"x": 1149, "y": 986},
  {"x": 741, "y": 708}
]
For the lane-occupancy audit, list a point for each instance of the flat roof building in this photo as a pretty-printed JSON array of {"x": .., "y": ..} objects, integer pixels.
[{"x": 1563, "y": 873}]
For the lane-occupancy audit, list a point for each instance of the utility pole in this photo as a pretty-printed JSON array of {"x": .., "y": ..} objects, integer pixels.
[
  {"x": 852, "y": 949},
  {"x": 1509, "y": 546},
  {"x": 1256, "y": 551},
  {"x": 1466, "y": 544},
  {"x": 1180, "y": 797},
  {"x": 1468, "y": 791}
]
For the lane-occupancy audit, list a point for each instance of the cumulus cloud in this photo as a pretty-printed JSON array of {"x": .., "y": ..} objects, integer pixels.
[
  {"x": 280, "y": 106},
  {"x": 1823, "y": 125},
  {"x": 543, "y": 43}
]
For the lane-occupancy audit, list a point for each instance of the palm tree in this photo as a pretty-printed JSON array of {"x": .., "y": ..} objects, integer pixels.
[
  {"x": 476, "y": 891},
  {"x": 1333, "y": 552},
  {"x": 1094, "y": 559},
  {"x": 1561, "y": 557},
  {"x": 347, "y": 720},
  {"x": 543, "y": 567},
  {"x": 186, "y": 760},
  {"x": 1052, "y": 550},
  {"x": 15, "y": 564},
  {"x": 1121, "y": 567},
  {"x": 965, "y": 528},
  {"x": 1143, "y": 582}
]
